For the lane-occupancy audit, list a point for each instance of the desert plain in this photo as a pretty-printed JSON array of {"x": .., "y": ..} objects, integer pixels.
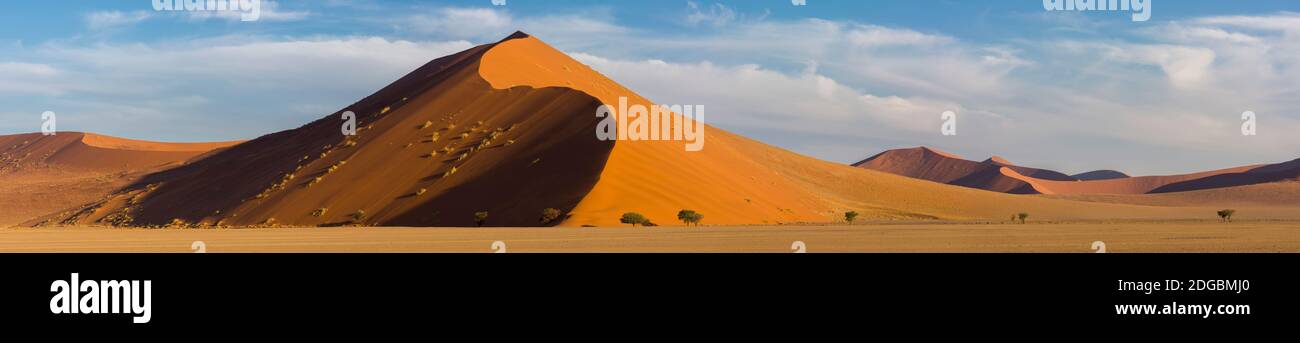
[{"x": 919, "y": 237}]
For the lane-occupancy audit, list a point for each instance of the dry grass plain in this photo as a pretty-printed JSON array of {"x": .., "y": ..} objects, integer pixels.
[{"x": 1076, "y": 237}]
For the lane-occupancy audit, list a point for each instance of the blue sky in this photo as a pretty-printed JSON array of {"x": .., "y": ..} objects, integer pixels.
[{"x": 838, "y": 80}]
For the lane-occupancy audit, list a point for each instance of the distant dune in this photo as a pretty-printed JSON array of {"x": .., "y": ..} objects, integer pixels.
[
  {"x": 44, "y": 174},
  {"x": 1100, "y": 175},
  {"x": 999, "y": 175},
  {"x": 509, "y": 129}
]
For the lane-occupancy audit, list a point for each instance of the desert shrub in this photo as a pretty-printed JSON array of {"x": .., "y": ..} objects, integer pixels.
[
  {"x": 385, "y": 110},
  {"x": 689, "y": 217},
  {"x": 426, "y": 125},
  {"x": 633, "y": 218},
  {"x": 480, "y": 218},
  {"x": 1226, "y": 215},
  {"x": 549, "y": 215},
  {"x": 421, "y": 192},
  {"x": 320, "y": 212},
  {"x": 510, "y": 142},
  {"x": 850, "y": 216},
  {"x": 358, "y": 215},
  {"x": 433, "y": 154},
  {"x": 1022, "y": 216}
]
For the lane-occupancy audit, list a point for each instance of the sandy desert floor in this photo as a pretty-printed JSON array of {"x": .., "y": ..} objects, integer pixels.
[{"x": 1120, "y": 237}]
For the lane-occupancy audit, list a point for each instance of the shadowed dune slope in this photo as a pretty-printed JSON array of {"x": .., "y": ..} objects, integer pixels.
[{"x": 432, "y": 149}]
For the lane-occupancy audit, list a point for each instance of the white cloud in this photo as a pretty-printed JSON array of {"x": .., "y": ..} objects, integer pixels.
[
  {"x": 215, "y": 89},
  {"x": 1286, "y": 21},
  {"x": 878, "y": 36},
  {"x": 108, "y": 19},
  {"x": 715, "y": 15},
  {"x": 463, "y": 23}
]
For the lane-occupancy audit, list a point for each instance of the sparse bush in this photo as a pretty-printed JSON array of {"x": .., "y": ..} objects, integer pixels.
[
  {"x": 480, "y": 218},
  {"x": 689, "y": 217},
  {"x": 433, "y": 154},
  {"x": 320, "y": 212},
  {"x": 510, "y": 142},
  {"x": 1226, "y": 215},
  {"x": 850, "y": 216},
  {"x": 633, "y": 218},
  {"x": 1022, "y": 216},
  {"x": 358, "y": 216},
  {"x": 549, "y": 215}
]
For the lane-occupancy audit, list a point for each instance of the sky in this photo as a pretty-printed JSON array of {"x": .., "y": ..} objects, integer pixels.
[{"x": 838, "y": 80}]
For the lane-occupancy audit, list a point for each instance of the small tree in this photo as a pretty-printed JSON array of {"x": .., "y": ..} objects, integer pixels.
[
  {"x": 633, "y": 218},
  {"x": 480, "y": 218},
  {"x": 549, "y": 215},
  {"x": 358, "y": 215},
  {"x": 850, "y": 216},
  {"x": 1227, "y": 215},
  {"x": 1022, "y": 216},
  {"x": 690, "y": 217}
]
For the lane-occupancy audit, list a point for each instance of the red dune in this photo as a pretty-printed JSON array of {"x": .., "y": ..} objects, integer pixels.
[
  {"x": 922, "y": 163},
  {"x": 44, "y": 174},
  {"x": 1000, "y": 175},
  {"x": 509, "y": 129}
]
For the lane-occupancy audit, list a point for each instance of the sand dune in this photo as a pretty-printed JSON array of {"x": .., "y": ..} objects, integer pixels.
[
  {"x": 44, "y": 174},
  {"x": 999, "y": 175},
  {"x": 509, "y": 129},
  {"x": 1100, "y": 175}
]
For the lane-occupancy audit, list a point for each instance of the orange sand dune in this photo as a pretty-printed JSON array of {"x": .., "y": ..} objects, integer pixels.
[
  {"x": 43, "y": 174},
  {"x": 84, "y": 151},
  {"x": 509, "y": 129}
]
